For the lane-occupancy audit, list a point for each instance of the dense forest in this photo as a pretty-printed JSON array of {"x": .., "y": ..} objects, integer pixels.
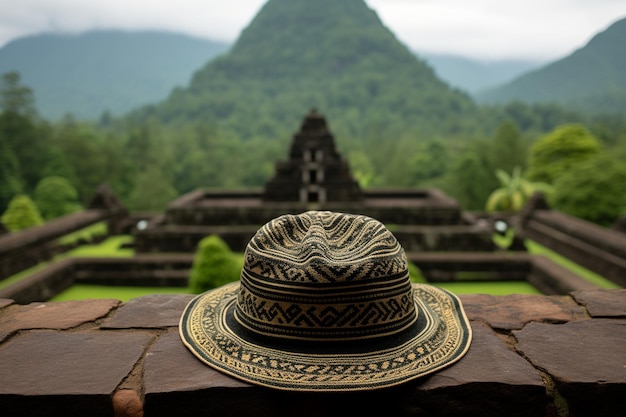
[
  {"x": 393, "y": 119},
  {"x": 150, "y": 164}
]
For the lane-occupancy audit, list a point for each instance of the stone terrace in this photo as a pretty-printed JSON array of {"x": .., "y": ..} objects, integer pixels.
[
  {"x": 531, "y": 356},
  {"x": 596, "y": 248}
]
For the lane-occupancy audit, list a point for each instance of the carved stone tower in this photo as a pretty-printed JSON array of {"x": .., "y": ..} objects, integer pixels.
[{"x": 315, "y": 172}]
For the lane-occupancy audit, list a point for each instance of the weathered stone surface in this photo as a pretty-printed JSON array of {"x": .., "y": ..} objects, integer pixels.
[
  {"x": 515, "y": 310},
  {"x": 60, "y": 315},
  {"x": 150, "y": 311},
  {"x": 603, "y": 303},
  {"x": 127, "y": 403},
  {"x": 582, "y": 351},
  {"x": 177, "y": 383},
  {"x": 491, "y": 379},
  {"x": 587, "y": 360},
  {"x": 503, "y": 367},
  {"x": 508, "y": 385},
  {"x": 44, "y": 363},
  {"x": 51, "y": 373},
  {"x": 91, "y": 371},
  {"x": 4, "y": 333},
  {"x": 170, "y": 366}
]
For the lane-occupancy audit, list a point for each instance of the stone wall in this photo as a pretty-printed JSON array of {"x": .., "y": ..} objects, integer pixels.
[
  {"x": 424, "y": 219},
  {"x": 597, "y": 248},
  {"x": 26, "y": 248},
  {"x": 542, "y": 273},
  {"x": 163, "y": 270},
  {"x": 174, "y": 238},
  {"x": 172, "y": 270},
  {"x": 530, "y": 356}
]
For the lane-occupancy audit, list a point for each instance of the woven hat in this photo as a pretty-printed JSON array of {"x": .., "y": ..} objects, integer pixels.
[{"x": 325, "y": 303}]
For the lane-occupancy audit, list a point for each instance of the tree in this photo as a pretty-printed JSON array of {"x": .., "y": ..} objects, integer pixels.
[
  {"x": 151, "y": 192},
  {"x": 429, "y": 162},
  {"x": 514, "y": 191},
  {"x": 11, "y": 182},
  {"x": 20, "y": 134},
  {"x": 361, "y": 168},
  {"x": 55, "y": 197},
  {"x": 214, "y": 265},
  {"x": 21, "y": 214},
  {"x": 559, "y": 151},
  {"x": 471, "y": 179},
  {"x": 87, "y": 157},
  {"x": 15, "y": 98},
  {"x": 507, "y": 150},
  {"x": 594, "y": 191}
]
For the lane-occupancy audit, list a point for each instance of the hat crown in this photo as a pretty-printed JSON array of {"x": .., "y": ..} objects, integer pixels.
[{"x": 325, "y": 276}]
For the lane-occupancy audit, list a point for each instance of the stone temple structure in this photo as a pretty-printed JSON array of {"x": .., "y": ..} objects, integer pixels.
[
  {"x": 314, "y": 177},
  {"x": 315, "y": 172}
]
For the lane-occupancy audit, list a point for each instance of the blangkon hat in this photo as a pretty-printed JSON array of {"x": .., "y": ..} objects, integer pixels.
[{"x": 325, "y": 303}]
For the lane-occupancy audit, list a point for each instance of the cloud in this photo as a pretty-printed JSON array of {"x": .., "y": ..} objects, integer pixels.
[
  {"x": 533, "y": 29},
  {"x": 207, "y": 18},
  {"x": 539, "y": 29}
]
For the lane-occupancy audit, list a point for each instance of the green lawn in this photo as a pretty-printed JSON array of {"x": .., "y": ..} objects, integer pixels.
[
  {"x": 96, "y": 229},
  {"x": 491, "y": 288},
  {"x": 534, "y": 247},
  {"x": 111, "y": 247},
  {"x": 83, "y": 292}
]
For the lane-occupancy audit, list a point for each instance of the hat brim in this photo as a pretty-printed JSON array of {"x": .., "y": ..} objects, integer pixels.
[{"x": 440, "y": 336}]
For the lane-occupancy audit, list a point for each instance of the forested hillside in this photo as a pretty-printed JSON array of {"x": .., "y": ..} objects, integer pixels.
[
  {"x": 101, "y": 71},
  {"x": 333, "y": 55},
  {"x": 592, "y": 79}
]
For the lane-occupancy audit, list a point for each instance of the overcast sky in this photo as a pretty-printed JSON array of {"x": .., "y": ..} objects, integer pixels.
[{"x": 484, "y": 29}]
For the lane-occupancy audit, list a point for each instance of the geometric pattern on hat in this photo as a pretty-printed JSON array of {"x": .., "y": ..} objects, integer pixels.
[{"x": 325, "y": 303}]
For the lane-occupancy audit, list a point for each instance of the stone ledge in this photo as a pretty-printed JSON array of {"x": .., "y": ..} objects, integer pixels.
[{"x": 531, "y": 356}]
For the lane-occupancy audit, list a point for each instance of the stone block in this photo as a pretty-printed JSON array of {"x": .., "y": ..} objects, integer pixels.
[
  {"x": 66, "y": 373},
  {"x": 4, "y": 302},
  {"x": 150, "y": 311},
  {"x": 602, "y": 302},
  {"x": 586, "y": 359},
  {"x": 490, "y": 380},
  {"x": 55, "y": 315},
  {"x": 514, "y": 311},
  {"x": 507, "y": 386}
]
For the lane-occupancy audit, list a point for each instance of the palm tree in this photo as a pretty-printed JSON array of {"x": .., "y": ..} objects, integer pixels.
[{"x": 514, "y": 191}]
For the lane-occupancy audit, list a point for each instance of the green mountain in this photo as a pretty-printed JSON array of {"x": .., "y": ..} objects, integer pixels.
[
  {"x": 592, "y": 78},
  {"x": 98, "y": 71},
  {"x": 335, "y": 55}
]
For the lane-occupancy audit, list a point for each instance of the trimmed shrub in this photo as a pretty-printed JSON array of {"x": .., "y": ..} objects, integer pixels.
[
  {"x": 416, "y": 274},
  {"x": 21, "y": 214},
  {"x": 214, "y": 265}
]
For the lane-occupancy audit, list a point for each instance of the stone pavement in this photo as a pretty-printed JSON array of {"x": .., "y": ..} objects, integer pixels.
[{"x": 531, "y": 356}]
